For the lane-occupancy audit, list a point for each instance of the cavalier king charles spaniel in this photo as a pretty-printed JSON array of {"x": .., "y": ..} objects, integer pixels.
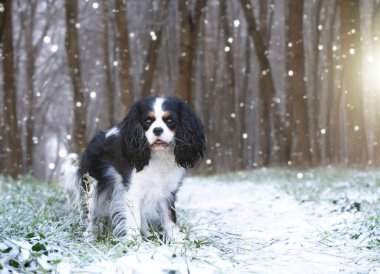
[{"x": 130, "y": 174}]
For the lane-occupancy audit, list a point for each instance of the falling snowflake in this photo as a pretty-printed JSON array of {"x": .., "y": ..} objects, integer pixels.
[
  {"x": 62, "y": 152},
  {"x": 47, "y": 39},
  {"x": 54, "y": 48}
]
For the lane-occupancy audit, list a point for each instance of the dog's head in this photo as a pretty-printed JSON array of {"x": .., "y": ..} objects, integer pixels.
[{"x": 162, "y": 123}]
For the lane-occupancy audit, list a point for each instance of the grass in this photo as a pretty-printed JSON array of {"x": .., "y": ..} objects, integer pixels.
[{"x": 37, "y": 233}]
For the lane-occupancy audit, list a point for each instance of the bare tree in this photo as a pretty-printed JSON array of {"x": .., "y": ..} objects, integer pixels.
[
  {"x": 189, "y": 37},
  {"x": 376, "y": 44},
  {"x": 229, "y": 103},
  {"x": 33, "y": 46},
  {"x": 351, "y": 50},
  {"x": 110, "y": 89},
  {"x": 11, "y": 129},
  {"x": 296, "y": 88},
  {"x": 124, "y": 54},
  {"x": 314, "y": 131},
  {"x": 271, "y": 130},
  {"x": 150, "y": 64},
  {"x": 73, "y": 54}
]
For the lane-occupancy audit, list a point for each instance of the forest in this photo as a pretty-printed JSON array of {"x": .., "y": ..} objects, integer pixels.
[{"x": 276, "y": 83}]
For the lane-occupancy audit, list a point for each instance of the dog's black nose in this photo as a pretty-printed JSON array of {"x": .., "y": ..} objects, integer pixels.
[{"x": 158, "y": 131}]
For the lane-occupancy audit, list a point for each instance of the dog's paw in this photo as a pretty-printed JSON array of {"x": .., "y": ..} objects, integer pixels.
[{"x": 174, "y": 236}]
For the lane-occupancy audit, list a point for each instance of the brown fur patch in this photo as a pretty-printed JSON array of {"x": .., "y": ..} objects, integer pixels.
[
  {"x": 151, "y": 114},
  {"x": 166, "y": 114}
]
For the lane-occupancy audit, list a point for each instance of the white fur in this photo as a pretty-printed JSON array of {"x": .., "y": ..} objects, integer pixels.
[
  {"x": 147, "y": 197},
  {"x": 69, "y": 181},
  {"x": 113, "y": 131},
  {"x": 167, "y": 135},
  {"x": 151, "y": 189},
  {"x": 145, "y": 201}
]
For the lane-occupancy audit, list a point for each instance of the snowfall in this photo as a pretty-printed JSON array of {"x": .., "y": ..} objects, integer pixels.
[{"x": 250, "y": 227}]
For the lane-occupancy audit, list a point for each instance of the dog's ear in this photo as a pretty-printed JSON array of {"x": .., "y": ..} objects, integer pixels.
[
  {"x": 190, "y": 138},
  {"x": 135, "y": 147}
]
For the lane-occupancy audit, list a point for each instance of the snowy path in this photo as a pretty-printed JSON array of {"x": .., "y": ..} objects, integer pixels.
[
  {"x": 261, "y": 229},
  {"x": 251, "y": 228}
]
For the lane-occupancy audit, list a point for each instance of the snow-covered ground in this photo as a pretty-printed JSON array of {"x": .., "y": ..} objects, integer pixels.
[{"x": 249, "y": 227}]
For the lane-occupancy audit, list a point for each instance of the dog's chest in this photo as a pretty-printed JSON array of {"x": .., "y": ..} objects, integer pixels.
[{"x": 158, "y": 180}]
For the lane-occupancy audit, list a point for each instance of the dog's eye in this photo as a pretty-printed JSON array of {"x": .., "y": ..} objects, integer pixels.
[
  {"x": 147, "y": 122},
  {"x": 170, "y": 122}
]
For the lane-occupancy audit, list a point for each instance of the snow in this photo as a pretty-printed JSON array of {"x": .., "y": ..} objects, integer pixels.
[{"x": 250, "y": 227}]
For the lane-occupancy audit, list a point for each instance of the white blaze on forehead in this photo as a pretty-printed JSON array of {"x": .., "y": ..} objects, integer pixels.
[
  {"x": 167, "y": 134},
  {"x": 113, "y": 131},
  {"x": 157, "y": 107}
]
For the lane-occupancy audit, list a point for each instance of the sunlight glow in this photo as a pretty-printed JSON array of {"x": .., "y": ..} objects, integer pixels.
[{"x": 371, "y": 70}]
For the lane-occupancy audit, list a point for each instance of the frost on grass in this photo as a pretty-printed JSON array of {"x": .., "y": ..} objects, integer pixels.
[{"x": 266, "y": 221}]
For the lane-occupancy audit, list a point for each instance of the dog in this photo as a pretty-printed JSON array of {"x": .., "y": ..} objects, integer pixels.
[{"x": 130, "y": 174}]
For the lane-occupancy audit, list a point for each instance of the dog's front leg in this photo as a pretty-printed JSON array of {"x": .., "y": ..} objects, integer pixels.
[
  {"x": 133, "y": 223},
  {"x": 168, "y": 223},
  {"x": 125, "y": 214}
]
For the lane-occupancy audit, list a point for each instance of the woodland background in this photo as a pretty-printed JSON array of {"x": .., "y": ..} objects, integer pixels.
[{"x": 276, "y": 83}]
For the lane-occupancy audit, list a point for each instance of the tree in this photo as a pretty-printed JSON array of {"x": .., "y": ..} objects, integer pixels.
[
  {"x": 33, "y": 37},
  {"x": 11, "y": 129},
  {"x": 189, "y": 37},
  {"x": 376, "y": 45},
  {"x": 150, "y": 64},
  {"x": 296, "y": 88},
  {"x": 351, "y": 87},
  {"x": 110, "y": 90},
  {"x": 124, "y": 54},
  {"x": 271, "y": 133},
  {"x": 229, "y": 102},
  {"x": 73, "y": 54}
]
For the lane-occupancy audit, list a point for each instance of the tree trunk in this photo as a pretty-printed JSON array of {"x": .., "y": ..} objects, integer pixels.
[
  {"x": 229, "y": 103},
  {"x": 30, "y": 80},
  {"x": 73, "y": 54},
  {"x": 11, "y": 129},
  {"x": 351, "y": 50},
  {"x": 314, "y": 130},
  {"x": 296, "y": 88},
  {"x": 107, "y": 66},
  {"x": 190, "y": 28},
  {"x": 124, "y": 55},
  {"x": 150, "y": 64},
  {"x": 376, "y": 45},
  {"x": 270, "y": 126},
  {"x": 332, "y": 117}
]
